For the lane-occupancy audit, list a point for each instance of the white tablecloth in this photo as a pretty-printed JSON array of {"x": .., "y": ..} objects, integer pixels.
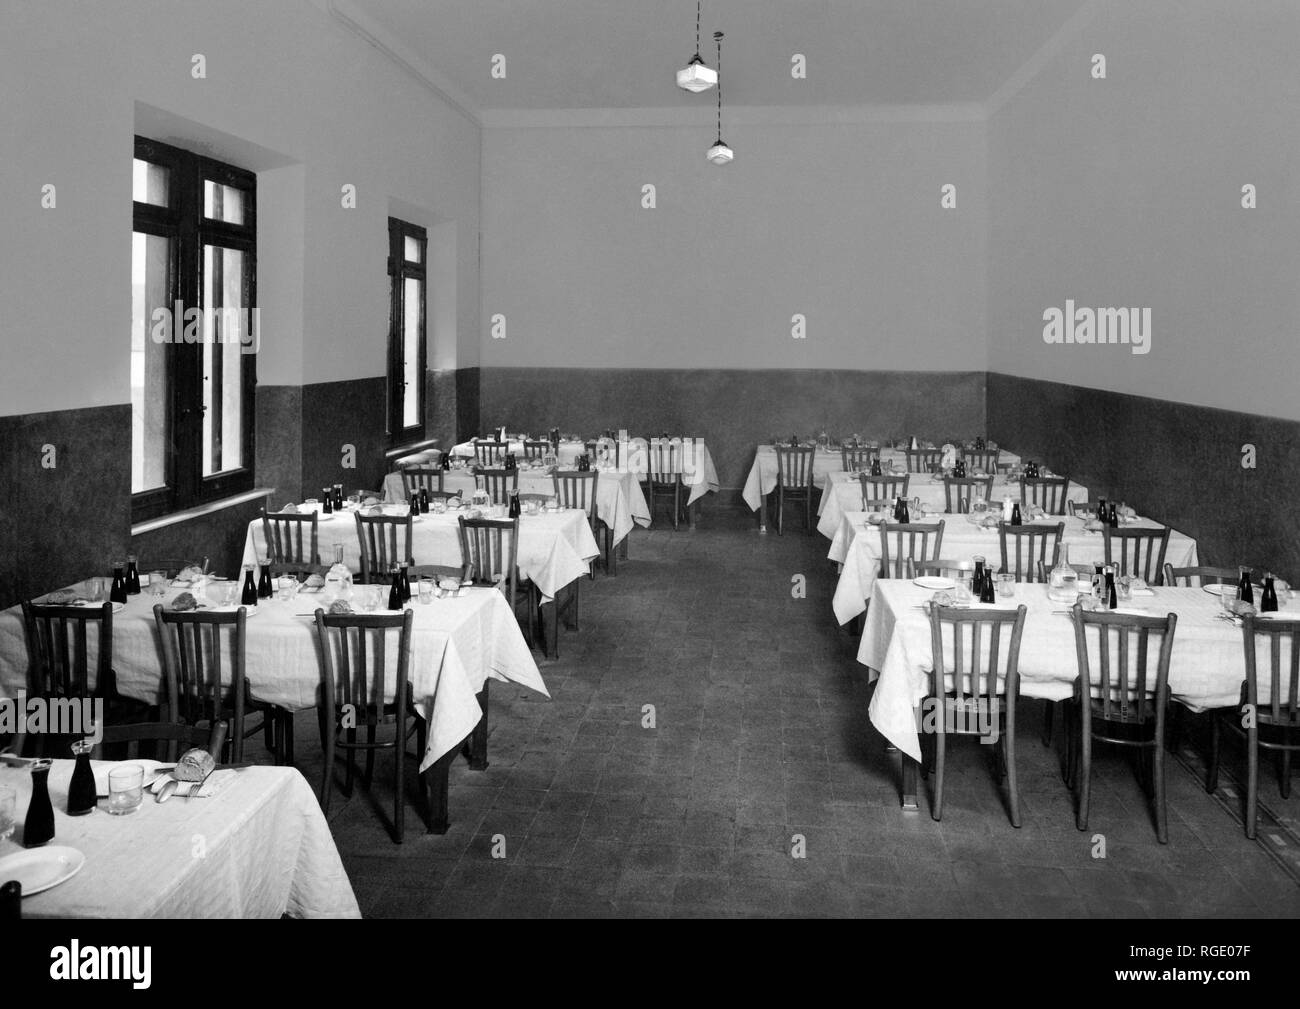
[
  {"x": 554, "y": 547},
  {"x": 457, "y": 645},
  {"x": 856, "y": 546},
  {"x": 843, "y": 493},
  {"x": 569, "y": 450},
  {"x": 762, "y": 474},
  {"x": 1205, "y": 670},
  {"x": 620, "y": 502},
  {"x": 258, "y": 848}
]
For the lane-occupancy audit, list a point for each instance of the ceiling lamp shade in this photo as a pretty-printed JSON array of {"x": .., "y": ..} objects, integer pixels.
[
  {"x": 696, "y": 76},
  {"x": 720, "y": 153}
]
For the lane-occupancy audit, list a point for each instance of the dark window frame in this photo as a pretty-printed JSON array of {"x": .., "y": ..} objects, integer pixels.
[
  {"x": 183, "y": 222},
  {"x": 399, "y": 270}
]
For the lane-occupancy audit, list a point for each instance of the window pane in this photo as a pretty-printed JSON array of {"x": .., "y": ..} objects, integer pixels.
[
  {"x": 223, "y": 203},
  {"x": 412, "y": 253},
  {"x": 149, "y": 182},
  {"x": 225, "y": 329},
  {"x": 412, "y": 299},
  {"x": 150, "y": 256}
]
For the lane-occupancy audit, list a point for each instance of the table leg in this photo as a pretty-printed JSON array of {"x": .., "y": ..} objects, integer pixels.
[
  {"x": 909, "y": 781},
  {"x": 550, "y": 630},
  {"x": 623, "y": 552},
  {"x": 435, "y": 790},
  {"x": 478, "y": 738}
]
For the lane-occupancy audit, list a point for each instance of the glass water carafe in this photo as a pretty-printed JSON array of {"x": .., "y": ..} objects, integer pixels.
[
  {"x": 338, "y": 579},
  {"x": 1063, "y": 582}
]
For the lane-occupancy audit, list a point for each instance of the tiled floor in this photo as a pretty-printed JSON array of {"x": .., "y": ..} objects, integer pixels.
[{"x": 761, "y": 788}]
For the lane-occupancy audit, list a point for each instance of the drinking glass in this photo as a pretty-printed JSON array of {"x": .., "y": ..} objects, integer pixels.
[
  {"x": 125, "y": 789},
  {"x": 158, "y": 583},
  {"x": 370, "y": 600},
  {"x": 287, "y": 586},
  {"x": 426, "y": 589},
  {"x": 8, "y": 800},
  {"x": 1124, "y": 588},
  {"x": 1007, "y": 585}
]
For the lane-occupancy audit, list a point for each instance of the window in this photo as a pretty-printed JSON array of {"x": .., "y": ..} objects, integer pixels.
[
  {"x": 408, "y": 247},
  {"x": 194, "y": 331}
]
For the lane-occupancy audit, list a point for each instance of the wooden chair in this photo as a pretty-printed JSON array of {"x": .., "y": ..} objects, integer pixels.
[
  {"x": 489, "y": 451},
  {"x": 357, "y": 646},
  {"x": 416, "y": 477},
  {"x": 177, "y": 737},
  {"x": 982, "y": 687},
  {"x": 1146, "y": 560},
  {"x": 292, "y": 546},
  {"x": 882, "y": 488},
  {"x": 916, "y": 535},
  {"x": 794, "y": 479},
  {"x": 445, "y": 495},
  {"x": 857, "y": 458},
  {"x": 56, "y": 673},
  {"x": 499, "y": 484},
  {"x": 490, "y": 549},
  {"x": 576, "y": 489},
  {"x": 985, "y": 460},
  {"x": 664, "y": 476},
  {"x": 378, "y": 540},
  {"x": 202, "y": 690},
  {"x": 1123, "y": 703},
  {"x": 1276, "y": 723},
  {"x": 541, "y": 499},
  {"x": 922, "y": 460},
  {"x": 1077, "y": 508},
  {"x": 534, "y": 451},
  {"x": 943, "y": 567},
  {"x": 1037, "y": 549},
  {"x": 1195, "y": 577},
  {"x": 1048, "y": 492},
  {"x": 959, "y": 492}
]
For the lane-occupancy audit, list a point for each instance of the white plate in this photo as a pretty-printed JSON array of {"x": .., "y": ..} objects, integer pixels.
[
  {"x": 1220, "y": 590},
  {"x": 249, "y": 614},
  {"x": 322, "y": 517},
  {"x": 875, "y": 518},
  {"x": 117, "y": 607},
  {"x": 933, "y": 583},
  {"x": 39, "y": 869}
]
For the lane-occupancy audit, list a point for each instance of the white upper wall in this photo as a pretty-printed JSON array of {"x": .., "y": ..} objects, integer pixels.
[
  {"x": 1127, "y": 192},
  {"x": 283, "y": 80}
]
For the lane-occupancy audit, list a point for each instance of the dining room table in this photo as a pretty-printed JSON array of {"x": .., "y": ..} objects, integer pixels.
[
  {"x": 856, "y": 548},
  {"x": 843, "y": 493},
  {"x": 1206, "y": 667},
  {"x": 254, "y": 845}
]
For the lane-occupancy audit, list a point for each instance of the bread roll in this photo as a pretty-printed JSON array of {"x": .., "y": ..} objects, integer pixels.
[{"x": 194, "y": 765}]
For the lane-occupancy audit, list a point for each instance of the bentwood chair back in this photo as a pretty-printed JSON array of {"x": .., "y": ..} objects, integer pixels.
[
  {"x": 922, "y": 460},
  {"x": 489, "y": 452},
  {"x": 1048, "y": 492},
  {"x": 58, "y": 649},
  {"x": 177, "y": 737},
  {"x": 983, "y": 460},
  {"x": 664, "y": 475},
  {"x": 576, "y": 489},
  {"x": 794, "y": 480},
  {"x": 959, "y": 492},
  {"x": 535, "y": 450},
  {"x": 944, "y": 567},
  {"x": 1030, "y": 550},
  {"x": 355, "y": 674},
  {"x": 292, "y": 546},
  {"x": 382, "y": 546},
  {"x": 415, "y": 478},
  {"x": 977, "y": 697},
  {"x": 883, "y": 488},
  {"x": 1121, "y": 697},
  {"x": 1271, "y": 694},
  {"x": 914, "y": 543},
  {"x": 490, "y": 550},
  {"x": 1141, "y": 552},
  {"x": 1197, "y": 576},
  {"x": 499, "y": 484},
  {"x": 857, "y": 458}
]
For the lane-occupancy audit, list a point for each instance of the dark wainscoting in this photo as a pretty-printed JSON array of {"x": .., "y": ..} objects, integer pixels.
[
  {"x": 278, "y": 459},
  {"x": 468, "y": 403},
  {"x": 1176, "y": 462},
  {"x": 69, "y": 522},
  {"x": 219, "y": 536},
  {"x": 734, "y": 410},
  {"x": 335, "y": 414}
]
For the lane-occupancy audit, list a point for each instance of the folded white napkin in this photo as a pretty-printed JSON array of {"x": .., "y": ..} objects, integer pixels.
[
  {"x": 949, "y": 459},
  {"x": 205, "y": 789}
]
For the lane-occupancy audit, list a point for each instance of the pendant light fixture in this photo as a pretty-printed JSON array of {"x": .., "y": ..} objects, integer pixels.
[
  {"x": 720, "y": 153},
  {"x": 695, "y": 76}
]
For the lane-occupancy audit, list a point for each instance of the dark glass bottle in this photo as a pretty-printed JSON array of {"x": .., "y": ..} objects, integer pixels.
[
  {"x": 338, "y": 497},
  {"x": 1268, "y": 599},
  {"x": 395, "y": 592},
  {"x": 1098, "y": 580},
  {"x": 327, "y": 501},
  {"x": 38, "y": 828},
  {"x": 959, "y": 470},
  {"x": 81, "y": 790},
  {"x": 249, "y": 595},
  {"x": 875, "y": 465},
  {"x": 1101, "y": 510},
  {"x": 265, "y": 586},
  {"x": 907, "y": 515},
  {"x": 514, "y": 505},
  {"x": 1244, "y": 591},
  {"x": 446, "y": 460},
  {"x": 988, "y": 592},
  {"x": 510, "y": 461},
  {"x": 415, "y": 505},
  {"x": 424, "y": 500},
  {"x": 1112, "y": 515},
  {"x": 978, "y": 579},
  {"x": 11, "y": 901},
  {"x": 132, "y": 576},
  {"x": 117, "y": 593},
  {"x": 1112, "y": 597},
  {"x": 405, "y": 583},
  {"x": 1015, "y": 515}
]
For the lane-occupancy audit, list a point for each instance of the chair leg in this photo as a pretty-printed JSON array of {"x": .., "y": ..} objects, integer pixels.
[
  {"x": 677, "y": 508},
  {"x": 399, "y": 755},
  {"x": 1212, "y": 764},
  {"x": 1284, "y": 773},
  {"x": 350, "y": 771},
  {"x": 940, "y": 738},
  {"x": 1085, "y": 774},
  {"x": 1252, "y": 781},
  {"x": 370, "y": 754},
  {"x": 1158, "y": 786},
  {"x": 780, "y": 511},
  {"x": 1048, "y": 708},
  {"x": 1013, "y": 789},
  {"x": 327, "y": 736},
  {"x": 286, "y": 736}
]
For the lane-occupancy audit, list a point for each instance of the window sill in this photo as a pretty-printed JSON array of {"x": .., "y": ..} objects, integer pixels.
[
  {"x": 175, "y": 518},
  {"x": 411, "y": 449}
]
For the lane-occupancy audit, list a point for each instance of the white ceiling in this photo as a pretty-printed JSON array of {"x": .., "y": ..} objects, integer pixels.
[{"x": 622, "y": 54}]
